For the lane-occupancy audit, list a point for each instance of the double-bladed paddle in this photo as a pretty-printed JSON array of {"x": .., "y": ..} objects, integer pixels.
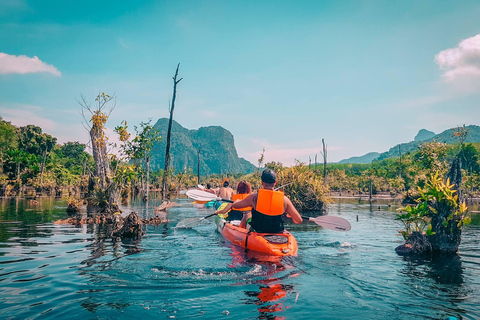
[
  {"x": 200, "y": 195},
  {"x": 327, "y": 222}
]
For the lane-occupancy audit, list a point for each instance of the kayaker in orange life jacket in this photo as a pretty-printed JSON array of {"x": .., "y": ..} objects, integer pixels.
[
  {"x": 244, "y": 189},
  {"x": 268, "y": 206}
]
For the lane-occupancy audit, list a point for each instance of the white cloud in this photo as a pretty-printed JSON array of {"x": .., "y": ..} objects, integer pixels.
[
  {"x": 461, "y": 61},
  {"x": 23, "y": 64}
]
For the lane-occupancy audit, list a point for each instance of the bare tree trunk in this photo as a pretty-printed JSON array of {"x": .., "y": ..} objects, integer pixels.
[
  {"x": 147, "y": 182},
  {"x": 99, "y": 150},
  {"x": 400, "y": 159},
  {"x": 198, "y": 165},
  {"x": 324, "y": 154},
  {"x": 43, "y": 166},
  {"x": 167, "y": 149}
]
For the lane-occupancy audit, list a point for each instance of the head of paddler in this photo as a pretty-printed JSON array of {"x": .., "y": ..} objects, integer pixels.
[
  {"x": 209, "y": 186},
  {"x": 226, "y": 182},
  {"x": 269, "y": 179},
  {"x": 244, "y": 187}
]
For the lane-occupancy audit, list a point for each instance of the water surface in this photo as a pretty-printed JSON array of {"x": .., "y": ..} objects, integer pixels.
[{"x": 51, "y": 271}]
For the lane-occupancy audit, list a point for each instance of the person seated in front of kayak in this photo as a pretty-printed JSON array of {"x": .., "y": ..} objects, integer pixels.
[
  {"x": 225, "y": 192},
  {"x": 209, "y": 189},
  {"x": 244, "y": 189},
  {"x": 268, "y": 206}
]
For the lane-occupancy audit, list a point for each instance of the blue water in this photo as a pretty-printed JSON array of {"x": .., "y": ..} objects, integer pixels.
[{"x": 62, "y": 271}]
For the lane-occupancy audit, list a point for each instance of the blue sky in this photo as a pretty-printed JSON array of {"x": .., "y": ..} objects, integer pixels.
[{"x": 280, "y": 75}]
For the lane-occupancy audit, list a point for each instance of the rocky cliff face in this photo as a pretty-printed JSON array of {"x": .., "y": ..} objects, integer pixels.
[{"x": 216, "y": 144}]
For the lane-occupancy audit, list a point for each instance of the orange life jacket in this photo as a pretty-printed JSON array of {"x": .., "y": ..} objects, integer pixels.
[
  {"x": 270, "y": 202},
  {"x": 241, "y": 196},
  {"x": 267, "y": 215}
]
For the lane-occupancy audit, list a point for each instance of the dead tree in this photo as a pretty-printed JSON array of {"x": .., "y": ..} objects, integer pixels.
[
  {"x": 167, "y": 149},
  {"x": 107, "y": 189},
  {"x": 198, "y": 165},
  {"x": 324, "y": 155}
]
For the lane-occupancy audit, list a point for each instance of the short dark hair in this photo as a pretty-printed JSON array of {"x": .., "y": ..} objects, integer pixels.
[
  {"x": 226, "y": 183},
  {"x": 209, "y": 185},
  {"x": 269, "y": 176}
]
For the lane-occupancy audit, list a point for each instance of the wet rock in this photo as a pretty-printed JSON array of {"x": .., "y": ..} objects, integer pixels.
[
  {"x": 73, "y": 208},
  {"x": 131, "y": 227},
  {"x": 417, "y": 243},
  {"x": 164, "y": 206}
]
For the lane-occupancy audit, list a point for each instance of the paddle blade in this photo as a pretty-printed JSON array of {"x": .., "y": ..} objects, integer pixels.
[
  {"x": 200, "y": 195},
  {"x": 192, "y": 222},
  {"x": 332, "y": 223},
  {"x": 189, "y": 223}
]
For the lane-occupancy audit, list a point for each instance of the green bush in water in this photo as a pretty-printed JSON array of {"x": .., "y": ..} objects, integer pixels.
[
  {"x": 302, "y": 186},
  {"x": 438, "y": 216}
]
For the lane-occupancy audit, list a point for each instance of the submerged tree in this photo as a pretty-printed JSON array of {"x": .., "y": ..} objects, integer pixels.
[
  {"x": 106, "y": 190},
  {"x": 435, "y": 223},
  {"x": 167, "y": 149}
]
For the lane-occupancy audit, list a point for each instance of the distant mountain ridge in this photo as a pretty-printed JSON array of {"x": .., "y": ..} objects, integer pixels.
[
  {"x": 422, "y": 137},
  {"x": 216, "y": 144},
  {"x": 367, "y": 158}
]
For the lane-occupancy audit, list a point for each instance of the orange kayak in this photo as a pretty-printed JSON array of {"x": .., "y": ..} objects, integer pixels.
[{"x": 277, "y": 244}]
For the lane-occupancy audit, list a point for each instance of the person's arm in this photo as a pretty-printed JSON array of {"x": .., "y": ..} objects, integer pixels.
[
  {"x": 292, "y": 212},
  {"x": 224, "y": 210},
  {"x": 247, "y": 202}
]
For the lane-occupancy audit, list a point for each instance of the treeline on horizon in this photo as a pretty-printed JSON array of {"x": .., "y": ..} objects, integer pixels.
[
  {"x": 30, "y": 158},
  {"x": 403, "y": 175}
]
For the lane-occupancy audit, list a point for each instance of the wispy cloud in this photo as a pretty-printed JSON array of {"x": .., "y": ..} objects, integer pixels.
[
  {"x": 461, "y": 61},
  {"x": 285, "y": 154},
  {"x": 123, "y": 43},
  {"x": 8, "y": 6},
  {"x": 10, "y": 64},
  {"x": 208, "y": 114},
  {"x": 22, "y": 115}
]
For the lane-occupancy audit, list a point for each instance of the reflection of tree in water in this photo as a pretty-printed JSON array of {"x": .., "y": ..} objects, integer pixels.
[
  {"x": 99, "y": 247},
  {"x": 444, "y": 269},
  {"x": 102, "y": 240},
  {"x": 447, "y": 289}
]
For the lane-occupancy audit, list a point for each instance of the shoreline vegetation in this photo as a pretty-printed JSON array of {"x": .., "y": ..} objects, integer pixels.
[{"x": 32, "y": 164}]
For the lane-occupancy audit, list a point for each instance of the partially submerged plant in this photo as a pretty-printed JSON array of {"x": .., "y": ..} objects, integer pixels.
[{"x": 439, "y": 215}]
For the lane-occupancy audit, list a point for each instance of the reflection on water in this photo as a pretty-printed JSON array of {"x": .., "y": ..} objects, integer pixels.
[
  {"x": 62, "y": 271},
  {"x": 272, "y": 287},
  {"x": 443, "y": 269}
]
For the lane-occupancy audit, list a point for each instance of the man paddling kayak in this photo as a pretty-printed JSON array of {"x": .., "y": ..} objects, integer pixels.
[{"x": 268, "y": 206}]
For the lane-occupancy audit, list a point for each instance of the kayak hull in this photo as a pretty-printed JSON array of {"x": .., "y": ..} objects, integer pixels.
[{"x": 277, "y": 244}]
